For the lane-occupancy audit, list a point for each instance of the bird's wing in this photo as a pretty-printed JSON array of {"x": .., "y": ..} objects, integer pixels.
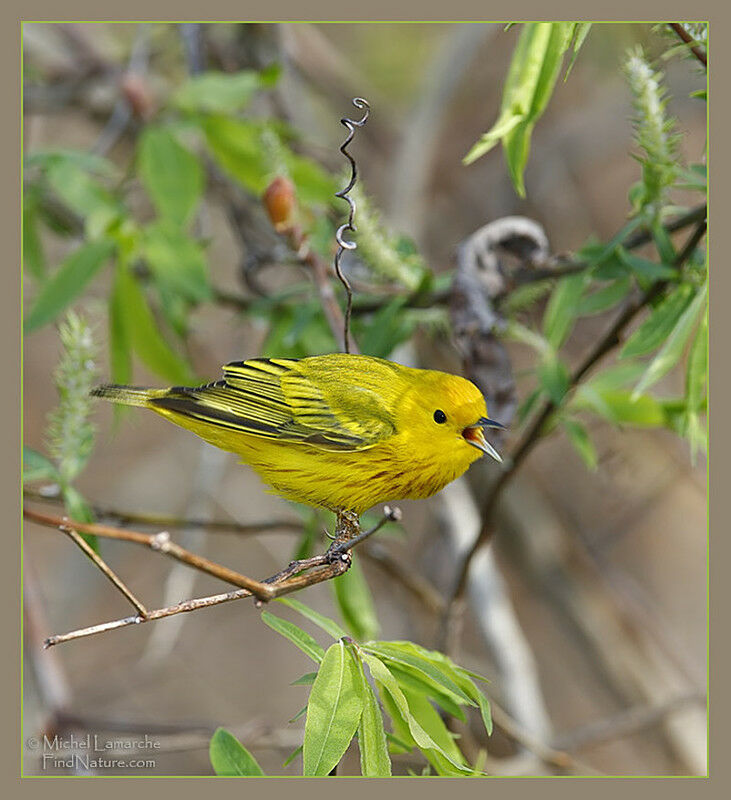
[{"x": 273, "y": 399}]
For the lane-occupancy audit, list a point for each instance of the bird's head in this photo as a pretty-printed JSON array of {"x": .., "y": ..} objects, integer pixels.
[{"x": 449, "y": 413}]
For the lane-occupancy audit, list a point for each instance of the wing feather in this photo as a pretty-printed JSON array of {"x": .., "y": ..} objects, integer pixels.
[{"x": 278, "y": 399}]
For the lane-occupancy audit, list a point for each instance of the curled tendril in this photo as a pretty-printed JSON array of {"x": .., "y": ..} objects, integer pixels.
[{"x": 343, "y": 194}]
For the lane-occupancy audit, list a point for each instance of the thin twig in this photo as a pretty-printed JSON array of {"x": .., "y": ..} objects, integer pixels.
[
  {"x": 548, "y": 754},
  {"x": 533, "y": 434},
  {"x": 159, "y": 542},
  {"x": 169, "y": 521},
  {"x": 690, "y": 41},
  {"x": 334, "y": 562},
  {"x": 99, "y": 561},
  {"x": 557, "y": 267},
  {"x": 625, "y": 723}
]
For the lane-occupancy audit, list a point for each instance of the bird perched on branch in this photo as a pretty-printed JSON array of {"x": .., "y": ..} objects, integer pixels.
[{"x": 339, "y": 431}]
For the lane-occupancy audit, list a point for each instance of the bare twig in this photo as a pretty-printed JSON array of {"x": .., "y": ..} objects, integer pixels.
[
  {"x": 161, "y": 543},
  {"x": 99, "y": 561},
  {"x": 690, "y": 41},
  {"x": 553, "y": 268},
  {"x": 548, "y": 754},
  {"x": 298, "y": 575},
  {"x": 625, "y": 723},
  {"x": 535, "y": 430},
  {"x": 170, "y": 521}
]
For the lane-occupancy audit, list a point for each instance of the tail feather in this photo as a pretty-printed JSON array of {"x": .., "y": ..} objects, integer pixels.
[{"x": 127, "y": 395}]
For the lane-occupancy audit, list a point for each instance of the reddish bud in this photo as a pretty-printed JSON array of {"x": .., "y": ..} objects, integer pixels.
[
  {"x": 279, "y": 202},
  {"x": 137, "y": 93}
]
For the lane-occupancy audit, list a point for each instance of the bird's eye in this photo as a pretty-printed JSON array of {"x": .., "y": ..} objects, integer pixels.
[{"x": 440, "y": 417}]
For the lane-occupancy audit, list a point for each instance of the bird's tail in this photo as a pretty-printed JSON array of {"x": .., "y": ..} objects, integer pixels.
[{"x": 127, "y": 395}]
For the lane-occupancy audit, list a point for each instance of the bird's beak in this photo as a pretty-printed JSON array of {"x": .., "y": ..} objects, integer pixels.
[{"x": 475, "y": 435}]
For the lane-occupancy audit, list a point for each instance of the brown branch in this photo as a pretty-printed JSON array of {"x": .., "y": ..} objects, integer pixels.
[
  {"x": 547, "y": 754},
  {"x": 159, "y": 542},
  {"x": 168, "y": 521},
  {"x": 557, "y": 267},
  {"x": 691, "y": 42},
  {"x": 102, "y": 565},
  {"x": 298, "y": 575},
  {"x": 624, "y": 723},
  {"x": 533, "y": 434}
]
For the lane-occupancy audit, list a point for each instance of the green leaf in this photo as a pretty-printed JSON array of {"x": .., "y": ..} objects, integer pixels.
[
  {"x": 534, "y": 69},
  {"x": 218, "y": 92},
  {"x": 67, "y": 283},
  {"x": 314, "y": 185},
  {"x": 236, "y": 147},
  {"x": 355, "y": 602},
  {"x": 427, "y": 716},
  {"x": 604, "y": 298},
  {"x": 621, "y": 407},
  {"x": 525, "y": 335},
  {"x": 83, "y": 159},
  {"x": 402, "y": 653},
  {"x": 460, "y": 675},
  {"x": 291, "y": 757},
  {"x": 307, "y": 679},
  {"x": 176, "y": 261},
  {"x": 657, "y": 327},
  {"x": 663, "y": 242},
  {"x": 579, "y": 438},
  {"x": 77, "y": 189},
  {"x": 333, "y": 710},
  {"x": 554, "y": 377},
  {"x": 33, "y": 257},
  {"x": 296, "y": 635},
  {"x": 528, "y": 405},
  {"x": 562, "y": 308},
  {"x": 36, "y": 467},
  {"x": 578, "y": 36},
  {"x": 645, "y": 270},
  {"x": 229, "y": 757},
  {"x": 144, "y": 334},
  {"x": 327, "y": 624},
  {"x": 672, "y": 350},
  {"x": 616, "y": 376},
  {"x": 374, "y": 759},
  {"x": 416, "y": 681},
  {"x": 386, "y": 681},
  {"x": 171, "y": 174}
]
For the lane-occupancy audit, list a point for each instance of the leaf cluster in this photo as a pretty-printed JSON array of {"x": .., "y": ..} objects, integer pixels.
[{"x": 356, "y": 686}]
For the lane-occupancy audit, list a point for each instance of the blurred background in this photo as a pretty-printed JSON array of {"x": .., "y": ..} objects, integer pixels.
[{"x": 591, "y": 617}]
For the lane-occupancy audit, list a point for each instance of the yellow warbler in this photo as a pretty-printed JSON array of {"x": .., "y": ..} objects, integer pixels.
[{"x": 338, "y": 431}]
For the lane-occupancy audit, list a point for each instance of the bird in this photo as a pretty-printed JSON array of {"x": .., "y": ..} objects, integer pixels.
[{"x": 338, "y": 431}]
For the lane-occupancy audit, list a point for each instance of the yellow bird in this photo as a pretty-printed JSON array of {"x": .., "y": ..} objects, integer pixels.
[{"x": 339, "y": 431}]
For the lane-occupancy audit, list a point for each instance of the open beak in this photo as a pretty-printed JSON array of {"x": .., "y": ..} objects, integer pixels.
[{"x": 475, "y": 435}]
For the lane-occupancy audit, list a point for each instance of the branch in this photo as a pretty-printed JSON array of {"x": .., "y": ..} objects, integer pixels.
[
  {"x": 690, "y": 41},
  {"x": 625, "y": 723},
  {"x": 534, "y": 432},
  {"x": 159, "y": 542},
  {"x": 554, "y": 267},
  {"x": 297, "y": 575},
  {"x": 99, "y": 561},
  {"x": 169, "y": 521}
]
